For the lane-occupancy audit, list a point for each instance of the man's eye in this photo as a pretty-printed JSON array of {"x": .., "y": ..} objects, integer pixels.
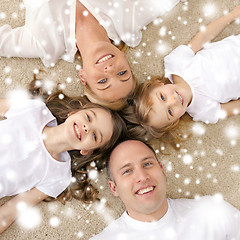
[
  {"x": 103, "y": 80},
  {"x": 126, "y": 172},
  {"x": 122, "y": 73},
  {"x": 88, "y": 118},
  {"x": 147, "y": 164},
  {"x": 170, "y": 112},
  {"x": 162, "y": 97}
]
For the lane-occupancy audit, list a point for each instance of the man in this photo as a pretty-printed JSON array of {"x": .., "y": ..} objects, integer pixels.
[{"x": 138, "y": 179}]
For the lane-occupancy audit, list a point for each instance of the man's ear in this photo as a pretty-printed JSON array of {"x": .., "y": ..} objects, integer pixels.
[
  {"x": 82, "y": 77},
  {"x": 85, "y": 152},
  {"x": 113, "y": 188}
]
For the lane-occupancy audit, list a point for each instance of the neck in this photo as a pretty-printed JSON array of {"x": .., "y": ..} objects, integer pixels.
[
  {"x": 89, "y": 27},
  {"x": 150, "y": 217},
  {"x": 53, "y": 139}
]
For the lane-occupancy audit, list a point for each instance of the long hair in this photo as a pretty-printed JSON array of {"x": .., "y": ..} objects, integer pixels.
[{"x": 61, "y": 105}]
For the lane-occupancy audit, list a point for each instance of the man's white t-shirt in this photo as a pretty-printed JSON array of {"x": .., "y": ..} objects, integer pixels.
[
  {"x": 213, "y": 75},
  {"x": 204, "y": 219},
  {"x": 49, "y": 31},
  {"x": 25, "y": 163}
]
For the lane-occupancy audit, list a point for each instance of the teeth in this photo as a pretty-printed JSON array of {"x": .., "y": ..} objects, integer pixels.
[
  {"x": 145, "y": 190},
  {"x": 180, "y": 97},
  {"x": 77, "y": 131},
  {"x": 105, "y": 58}
]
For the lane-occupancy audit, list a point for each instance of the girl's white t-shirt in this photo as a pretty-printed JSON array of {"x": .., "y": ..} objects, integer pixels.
[
  {"x": 25, "y": 163},
  {"x": 186, "y": 219},
  {"x": 213, "y": 74},
  {"x": 49, "y": 31}
]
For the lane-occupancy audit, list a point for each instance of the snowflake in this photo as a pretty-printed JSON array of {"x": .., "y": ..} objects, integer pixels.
[
  {"x": 54, "y": 221},
  {"x": 209, "y": 10}
]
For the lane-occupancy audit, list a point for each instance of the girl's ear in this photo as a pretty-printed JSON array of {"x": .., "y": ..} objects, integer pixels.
[
  {"x": 85, "y": 152},
  {"x": 113, "y": 188},
  {"x": 81, "y": 75}
]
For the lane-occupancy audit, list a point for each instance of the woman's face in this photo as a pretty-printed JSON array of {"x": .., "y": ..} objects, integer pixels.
[
  {"x": 107, "y": 73},
  {"x": 88, "y": 129}
]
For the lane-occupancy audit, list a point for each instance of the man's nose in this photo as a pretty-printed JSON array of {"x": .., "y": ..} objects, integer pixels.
[{"x": 142, "y": 175}]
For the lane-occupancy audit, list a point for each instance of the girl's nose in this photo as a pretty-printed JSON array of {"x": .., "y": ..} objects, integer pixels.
[{"x": 85, "y": 128}]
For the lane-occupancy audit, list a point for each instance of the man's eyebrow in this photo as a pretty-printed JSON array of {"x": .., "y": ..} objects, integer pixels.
[
  {"x": 142, "y": 160},
  {"x": 124, "y": 166}
]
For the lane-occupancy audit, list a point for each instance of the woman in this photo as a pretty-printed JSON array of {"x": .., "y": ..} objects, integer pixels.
[{"x": 54, "y": 27}]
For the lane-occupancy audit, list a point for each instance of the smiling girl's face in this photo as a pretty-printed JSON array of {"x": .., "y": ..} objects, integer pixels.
[
  {"x": 107, "y": 73},
  {"x": 88, "y": 129},
  {"x": 169, "y": 103}
]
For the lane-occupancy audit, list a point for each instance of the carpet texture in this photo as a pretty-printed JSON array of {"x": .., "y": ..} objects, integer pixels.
[{"x": 207, "y": 163}]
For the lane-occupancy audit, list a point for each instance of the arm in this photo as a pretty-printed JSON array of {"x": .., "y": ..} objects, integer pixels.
[
  {"x": 9, "y": 212},
  {"x": 231, "y": 108},
  {"x": 213, "y": 29},
  {"x": 4, "y": 106}
]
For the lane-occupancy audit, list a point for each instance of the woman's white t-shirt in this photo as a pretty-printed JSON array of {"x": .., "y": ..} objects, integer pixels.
[
  {"x": 49, "y": 31},
  {"x": 25, "y": 163}
]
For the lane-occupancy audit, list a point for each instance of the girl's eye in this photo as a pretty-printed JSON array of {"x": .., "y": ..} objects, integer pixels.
[
  {"x": 88, "y": 118},
  {"x": 162, "y": 97},
  {"x": 103, "y": 80},
  {"x": 170, "y": 112},
  {"x": 95, "y": 137},
  {"x": 122, "y": 73}
]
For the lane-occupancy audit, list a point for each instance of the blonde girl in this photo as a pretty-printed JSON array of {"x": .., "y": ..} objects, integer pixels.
[
  {"x": 34, "y": 162},
  {"x": 204, "y": 81}
]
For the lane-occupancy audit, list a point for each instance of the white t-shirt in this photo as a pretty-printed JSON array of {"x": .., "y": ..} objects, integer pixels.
[
  {"x": 49, "y": 32},
  {"x": 25, "y": 163},
  {"x": 186, "y": 219},
  {"x": 213, "y": 74}
]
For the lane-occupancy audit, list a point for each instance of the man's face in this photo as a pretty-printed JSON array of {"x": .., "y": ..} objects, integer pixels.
[{"x": 138, "y": 179}]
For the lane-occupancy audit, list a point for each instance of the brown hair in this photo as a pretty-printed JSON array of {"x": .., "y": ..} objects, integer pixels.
[{"x": 60, "y": 108}]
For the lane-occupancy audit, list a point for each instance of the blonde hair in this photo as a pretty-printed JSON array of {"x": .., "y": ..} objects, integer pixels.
[
  {"x": 137, "y": 115},
  {"x": 120, "y": 103},
  {"x": 114, "y": 105}
]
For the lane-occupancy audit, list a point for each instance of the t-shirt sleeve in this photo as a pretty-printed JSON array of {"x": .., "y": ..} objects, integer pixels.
[
  {"x": 56, "y": 181},
  {"x": 177, "y": 61},
  {"x": 210, "y": 113},
  {"x": 23, "y": 104}
]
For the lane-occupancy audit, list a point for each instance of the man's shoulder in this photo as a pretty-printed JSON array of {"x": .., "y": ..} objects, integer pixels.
[
  {"x": 111, "y": 230},
  {"x": 207, "y": 208}
]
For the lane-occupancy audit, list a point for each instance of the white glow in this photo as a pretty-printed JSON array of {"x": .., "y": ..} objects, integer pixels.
[
  {"x": 187, "y": 159},
  {"x": 209, "y": 10},
  {"x": 29, "y": 218},
  {"x": 54, "y": 221},
  {"x": 198, "y": 129}
]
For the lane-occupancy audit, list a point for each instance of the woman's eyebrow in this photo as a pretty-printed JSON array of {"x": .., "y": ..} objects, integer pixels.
[
  {"x": 105, "y": 87},
  {"x": 125, "y": 80}
]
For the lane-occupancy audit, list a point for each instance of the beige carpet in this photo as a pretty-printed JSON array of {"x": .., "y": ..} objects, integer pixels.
[{"x": 211, "y": 154}]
